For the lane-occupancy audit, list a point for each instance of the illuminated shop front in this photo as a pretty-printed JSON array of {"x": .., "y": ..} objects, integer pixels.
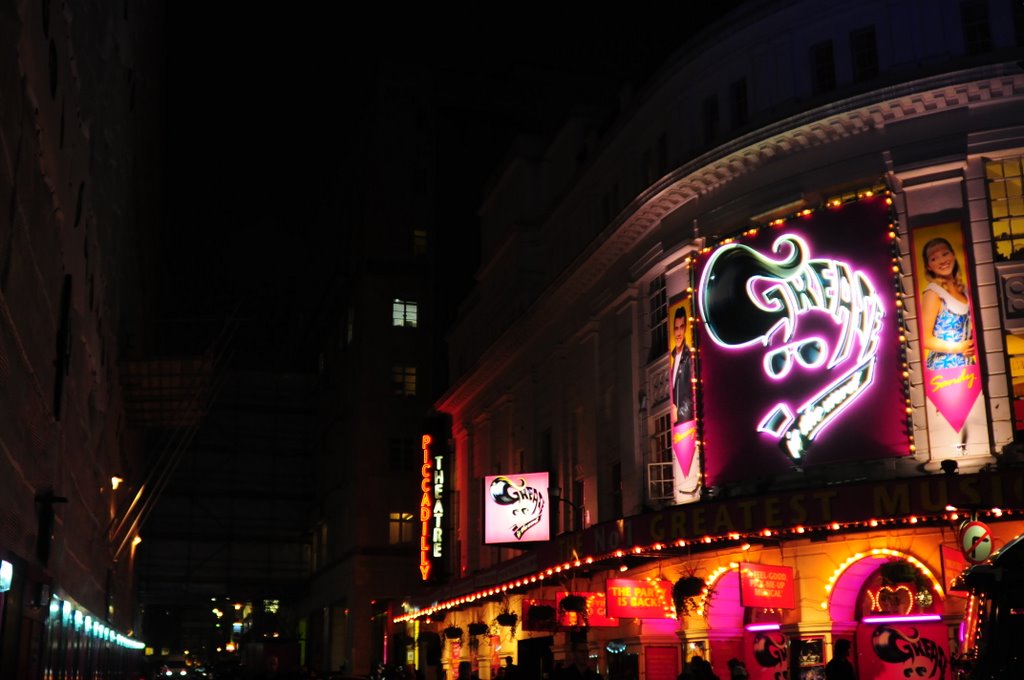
[{"x": 869, "y": 563}]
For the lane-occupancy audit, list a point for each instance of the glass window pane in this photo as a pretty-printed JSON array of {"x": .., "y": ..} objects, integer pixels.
[
  {"x": 993, "y": 169},
  {"x": 999, "y": 209},
  {"x": 403, "y": 313},
  {"x": 1011, "y": 167},
  {"x": 1003, "y": 249},
  {"x": 1013, "y": 187},
  {"x": 1017, "y": 206},
  {"x": 1001, "y": 229},
  {"x": 997, "y": 190}
]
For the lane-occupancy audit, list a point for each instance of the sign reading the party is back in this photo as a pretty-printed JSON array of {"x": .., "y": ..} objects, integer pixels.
[
  {"x": 800, "y": 351},
  {"x": 639, "y": 599}
]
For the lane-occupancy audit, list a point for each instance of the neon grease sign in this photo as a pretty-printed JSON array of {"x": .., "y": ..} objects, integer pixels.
[
  {"x": 514, "y": 508},
  {"x": 431, "y": 508},
  {"x": 749, "y": 300}
]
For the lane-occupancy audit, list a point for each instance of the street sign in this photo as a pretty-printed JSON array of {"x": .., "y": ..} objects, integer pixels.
[{"x": 976, "y": 542}]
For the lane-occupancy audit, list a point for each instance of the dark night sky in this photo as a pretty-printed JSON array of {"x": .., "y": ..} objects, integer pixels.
[{"x": 259, "y": 116}]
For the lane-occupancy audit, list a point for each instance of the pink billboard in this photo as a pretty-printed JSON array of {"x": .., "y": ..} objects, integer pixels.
[
  {"x": 903, "y": 650},
  {"x": 957, "y": 421},
  {"x": 516, "y": 508},
  {"x": 683, "y": 415},
  {"x": 800, "y": 345}
]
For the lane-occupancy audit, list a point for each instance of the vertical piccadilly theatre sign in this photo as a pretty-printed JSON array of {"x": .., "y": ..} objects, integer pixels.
[
  {"x": 432, "y": 501},
  {"x": 801, "y": 345}
]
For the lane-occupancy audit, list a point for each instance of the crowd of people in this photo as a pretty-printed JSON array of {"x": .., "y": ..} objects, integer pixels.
[
  {"x": 700, "y": 668},
  {"x": 576, "y": 667}
]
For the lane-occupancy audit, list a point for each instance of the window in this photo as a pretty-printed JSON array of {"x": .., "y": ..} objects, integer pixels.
[
  {"x": 319, "y": 546},
  {"x": 661, "y": 155},
  {"x": 662, "y": 451},
  {"x": 1015, "y": 358},
  {"x": 419, "y": 241},
  {"x": 660, "y": 477},
  {"x": 977, "y": 33},
  {"x": 740, "y": 105},
  {"x": 403, "y": 380},
  {"x": 1006, "y": 207},
  {"x": 403, "y": 313},
  {"x": 659, "y": 318},
  {"x": 1018, "y": 22},
  {"x": 546, "y": 461},
  {"x": 823, "y": 68},
  {"x": 710, "y": 119},
  {"x": 616, "y": 489},
  {"x": 864, "y": 54},
  {"x": 1006, "y": 212},
  {"x": 579, "y": 512},
  {"x": 402, "y": 454},
  {"x": 400, "y": 528}
]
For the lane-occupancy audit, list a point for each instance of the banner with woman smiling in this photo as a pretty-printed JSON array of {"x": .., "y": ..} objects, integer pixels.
[{"x": 948, "y": 339}]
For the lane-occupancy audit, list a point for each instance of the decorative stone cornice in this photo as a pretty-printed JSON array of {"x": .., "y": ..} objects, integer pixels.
[{"x": 710, "y": 173}]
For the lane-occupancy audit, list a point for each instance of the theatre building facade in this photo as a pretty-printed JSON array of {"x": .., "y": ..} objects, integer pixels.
[{"x": 744, "y": 373}]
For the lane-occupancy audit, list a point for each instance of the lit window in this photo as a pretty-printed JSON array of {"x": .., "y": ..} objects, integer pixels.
[
  {"x": 403, "y": 313},
  {"x": 400, "y": 527},
  {"x": 1006, "y": 212},
  {"x": 660, "y": 476},
  {"x": 1006, "y": 207},
  {"x": 403, "y": 380},
  {"x": 661, "y": 450}
]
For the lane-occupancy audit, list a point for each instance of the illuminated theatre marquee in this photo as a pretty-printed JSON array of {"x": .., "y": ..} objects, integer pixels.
[
  {"x": 431, "y": 508},
  {"x": 795, "y": 321}
]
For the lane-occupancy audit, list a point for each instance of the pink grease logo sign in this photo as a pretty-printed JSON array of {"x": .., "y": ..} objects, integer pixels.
[
  {"x": 798, "y": 329},
  {"x": 515, "y": 508}
]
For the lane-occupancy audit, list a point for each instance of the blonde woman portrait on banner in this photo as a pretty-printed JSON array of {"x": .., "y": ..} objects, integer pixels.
[
  {"x": 945, "y": 309},
  {"x": 953, "y": 383}
]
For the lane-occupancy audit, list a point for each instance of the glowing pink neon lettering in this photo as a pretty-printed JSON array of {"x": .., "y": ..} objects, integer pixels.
[{"x": 748, "y": 299}]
